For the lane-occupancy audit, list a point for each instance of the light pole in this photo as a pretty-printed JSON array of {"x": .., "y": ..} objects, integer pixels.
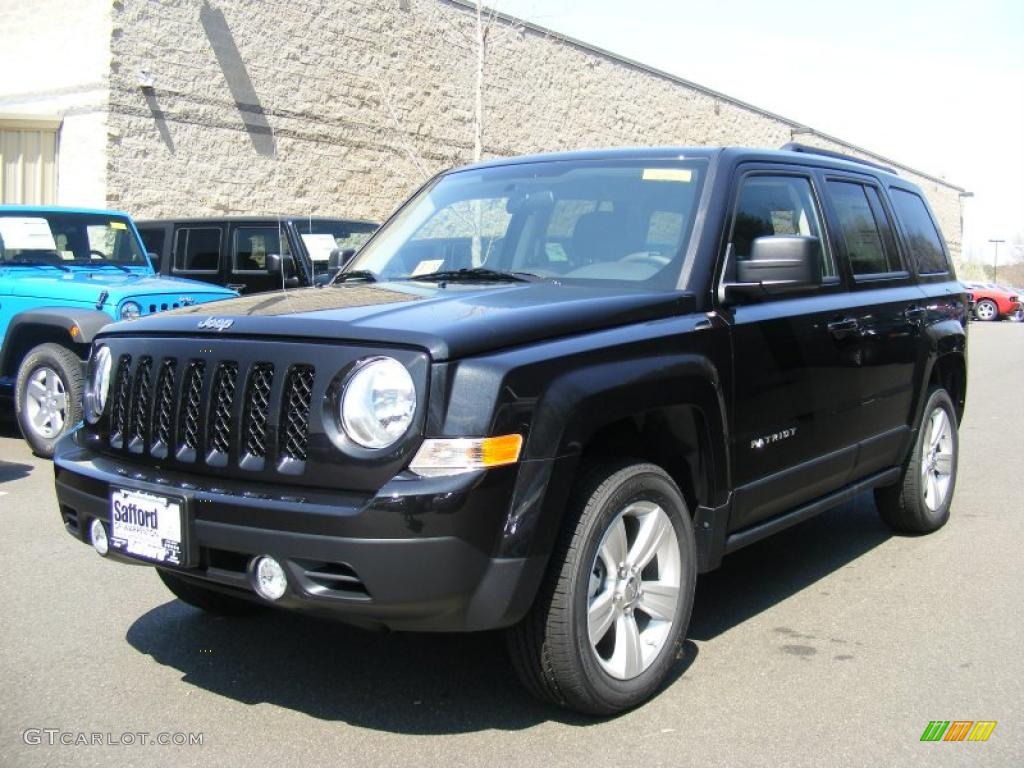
[{"x": 995, "y": 260}]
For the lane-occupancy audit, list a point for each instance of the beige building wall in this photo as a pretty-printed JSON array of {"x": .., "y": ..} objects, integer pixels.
[
  {"x": 55, "y": 62},
  {"x": 345, "y": 107}
]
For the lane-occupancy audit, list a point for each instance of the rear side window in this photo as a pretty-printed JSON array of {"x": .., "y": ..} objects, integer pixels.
[
  {"x": 923, "y": 237},
  {"x": 197, "y": 250},
  {"x": 864, "y": 228}
]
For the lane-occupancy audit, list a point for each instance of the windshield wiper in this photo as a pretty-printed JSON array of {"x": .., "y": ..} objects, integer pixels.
[
  {"x": 103, "y": 263},
  {"x": 476, "y": 275},
  {"x": 355, "y": 274}
]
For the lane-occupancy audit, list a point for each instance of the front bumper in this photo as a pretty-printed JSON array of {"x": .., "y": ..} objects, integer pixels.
[{"x": 414, "y": 556}]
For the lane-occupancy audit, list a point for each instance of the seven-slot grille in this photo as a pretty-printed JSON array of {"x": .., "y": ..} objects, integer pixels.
[{"x": 216, "y": 413}]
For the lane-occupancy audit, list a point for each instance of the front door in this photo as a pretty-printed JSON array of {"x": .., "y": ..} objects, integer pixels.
[
  {"x": 793, "y": 398},
  {"x": 248, "y": 247}
]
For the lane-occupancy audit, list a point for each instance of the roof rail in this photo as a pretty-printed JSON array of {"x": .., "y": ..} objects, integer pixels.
[{"x": 793, "y": 146}]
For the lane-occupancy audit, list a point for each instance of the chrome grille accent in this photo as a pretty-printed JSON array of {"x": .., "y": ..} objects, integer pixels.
[
  {"x": 257, "y": 406},
  {"x": 191, "y": 406},
  {"x": 295, "y": 404},
  {"x": 222, "y": 399},
  {"x": 163, "y": 413},
  {"x": 119, "y": 404},
  {"x": 239, "y": 415},
  {"x": 140, "y": 404}
]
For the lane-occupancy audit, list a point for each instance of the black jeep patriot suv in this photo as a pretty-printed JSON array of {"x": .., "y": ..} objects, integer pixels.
[{"x": 543, "y": 397}]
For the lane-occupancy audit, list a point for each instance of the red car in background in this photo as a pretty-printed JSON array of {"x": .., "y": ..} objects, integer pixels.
[{"x": 994, "y": 302}]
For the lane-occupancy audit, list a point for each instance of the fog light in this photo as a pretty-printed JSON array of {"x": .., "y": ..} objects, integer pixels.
[
  {"x": 268, "y": 578},
  {"x": 98, "y": 535}
]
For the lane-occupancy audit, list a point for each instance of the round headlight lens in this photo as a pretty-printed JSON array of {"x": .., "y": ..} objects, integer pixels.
[
  {"x": 378, "y": 403},
  {"x": 130, "y": 310},
  {"x": 98, "y": 384}
]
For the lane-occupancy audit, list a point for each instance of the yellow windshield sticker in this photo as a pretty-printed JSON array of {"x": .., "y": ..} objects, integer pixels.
[
  {"x": 684, "y": 175},
  {"x": 118, "y": 225}
]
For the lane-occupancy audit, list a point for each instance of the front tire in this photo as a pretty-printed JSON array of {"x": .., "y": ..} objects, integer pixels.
[
  {"x": 920, "y": 502},
  {"x": 611, "y": 615},
  {"x": 48, "y": 396}
]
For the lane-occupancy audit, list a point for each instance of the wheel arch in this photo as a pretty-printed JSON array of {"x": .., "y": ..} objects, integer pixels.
[
  {"x": 74, "y": 329},
  {"x": 636, "y": 408}
]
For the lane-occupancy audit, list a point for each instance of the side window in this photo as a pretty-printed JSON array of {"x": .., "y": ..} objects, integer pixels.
[
  {"x": 777, "y": 205},
  {"x": 251, "y": 246},
  {"x": 153, "y": 240},
  {"x": 864, "y": 228},
  {"x": 197, "y": 250},
  {"x": 923, "y": 237}
]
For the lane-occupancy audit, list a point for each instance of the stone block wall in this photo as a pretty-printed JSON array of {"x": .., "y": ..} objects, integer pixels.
[{"x": 346, "y": 107}]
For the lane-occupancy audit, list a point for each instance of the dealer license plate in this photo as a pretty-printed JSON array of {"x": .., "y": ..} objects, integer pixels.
[{"x": 146, "y": 526}]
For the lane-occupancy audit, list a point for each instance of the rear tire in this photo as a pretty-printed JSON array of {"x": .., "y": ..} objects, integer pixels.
[
  {"x": 205, "y": 599},
  {"x": 602, "y": 642},
  {"x": 986, "y": 311},
  {"x": 920, "y": 502},
  {"x": 48, "y": 396}
]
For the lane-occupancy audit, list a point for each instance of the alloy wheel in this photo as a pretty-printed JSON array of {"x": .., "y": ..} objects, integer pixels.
[
  {"x": 634, "y": 588},
  {"x": 46, "y": 402},
  {"x": 937, "y": 459}
]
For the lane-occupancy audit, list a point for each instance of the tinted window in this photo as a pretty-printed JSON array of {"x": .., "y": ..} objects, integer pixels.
[
  {"x": 863, "y": 228},
  {"x": 252, "y": 244},
  {"x": 776, "y": 205},
  {"x": 922, "y": 234},
  {"x": 197, "y": 250}
]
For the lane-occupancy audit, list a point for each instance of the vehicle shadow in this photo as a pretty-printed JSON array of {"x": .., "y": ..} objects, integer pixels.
[
  {"x": 766, "y": 573},
  {"x": 12, "y": 470},
  {"x": 399, "y": 682},
  {"x": 443, "y": 684}
]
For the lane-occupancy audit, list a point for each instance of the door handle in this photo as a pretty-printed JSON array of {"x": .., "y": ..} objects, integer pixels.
[
  {"x": 846, "y": 325},
  {"x": 915, "y": 314}
]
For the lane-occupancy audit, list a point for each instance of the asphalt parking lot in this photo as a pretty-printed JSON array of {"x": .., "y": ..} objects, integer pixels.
[{"x": 834, "y": 643}]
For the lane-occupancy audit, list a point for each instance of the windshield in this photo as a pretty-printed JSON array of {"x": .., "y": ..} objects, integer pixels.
[
  {"x": 573, "y": 221},
  {"x": 321, "y": 236},
  {"x": 68, "y": 239}
]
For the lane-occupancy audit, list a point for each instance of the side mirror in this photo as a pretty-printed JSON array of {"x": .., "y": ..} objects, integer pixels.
[
  {"x": 778, "y": 264},
  {"x": 278, "y": 264},
  {"x": 282, "y": 267},
  {"x": 339, "y": 258}
]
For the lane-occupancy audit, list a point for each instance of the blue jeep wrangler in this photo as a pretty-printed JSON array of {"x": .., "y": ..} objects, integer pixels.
[{"x": 64, "y": 274}]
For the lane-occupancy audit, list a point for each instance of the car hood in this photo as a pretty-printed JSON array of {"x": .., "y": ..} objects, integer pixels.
[
  {"x": 449, "y": 322},
  {"x": 86, "y": 285}
]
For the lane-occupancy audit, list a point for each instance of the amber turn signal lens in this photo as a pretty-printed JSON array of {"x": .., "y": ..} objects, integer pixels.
[{"x": 450, "y": 456}]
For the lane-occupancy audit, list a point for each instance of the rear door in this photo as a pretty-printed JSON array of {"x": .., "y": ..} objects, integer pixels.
[
  {"x": 882, "y": 322},
  {"x": 198, "y": 252},
  {"x": 793, "y": 400}
]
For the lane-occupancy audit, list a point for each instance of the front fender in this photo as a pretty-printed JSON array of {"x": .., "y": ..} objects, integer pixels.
[{"x": 71, "y": 325}]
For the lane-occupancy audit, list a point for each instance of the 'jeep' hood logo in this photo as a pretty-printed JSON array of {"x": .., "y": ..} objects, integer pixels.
[{"x": 215, "y": 324}]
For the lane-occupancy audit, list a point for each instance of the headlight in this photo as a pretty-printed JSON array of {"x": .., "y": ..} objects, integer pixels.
[
  {"x": 130, "y": 310},
  {"x": 378, "y": 403},
  {"x": 98, "y": 384}
]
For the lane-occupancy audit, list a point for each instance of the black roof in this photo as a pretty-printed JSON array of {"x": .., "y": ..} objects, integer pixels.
[
  {"x": 261, "y": 219},
  {"x": 791, "y": 152}
]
